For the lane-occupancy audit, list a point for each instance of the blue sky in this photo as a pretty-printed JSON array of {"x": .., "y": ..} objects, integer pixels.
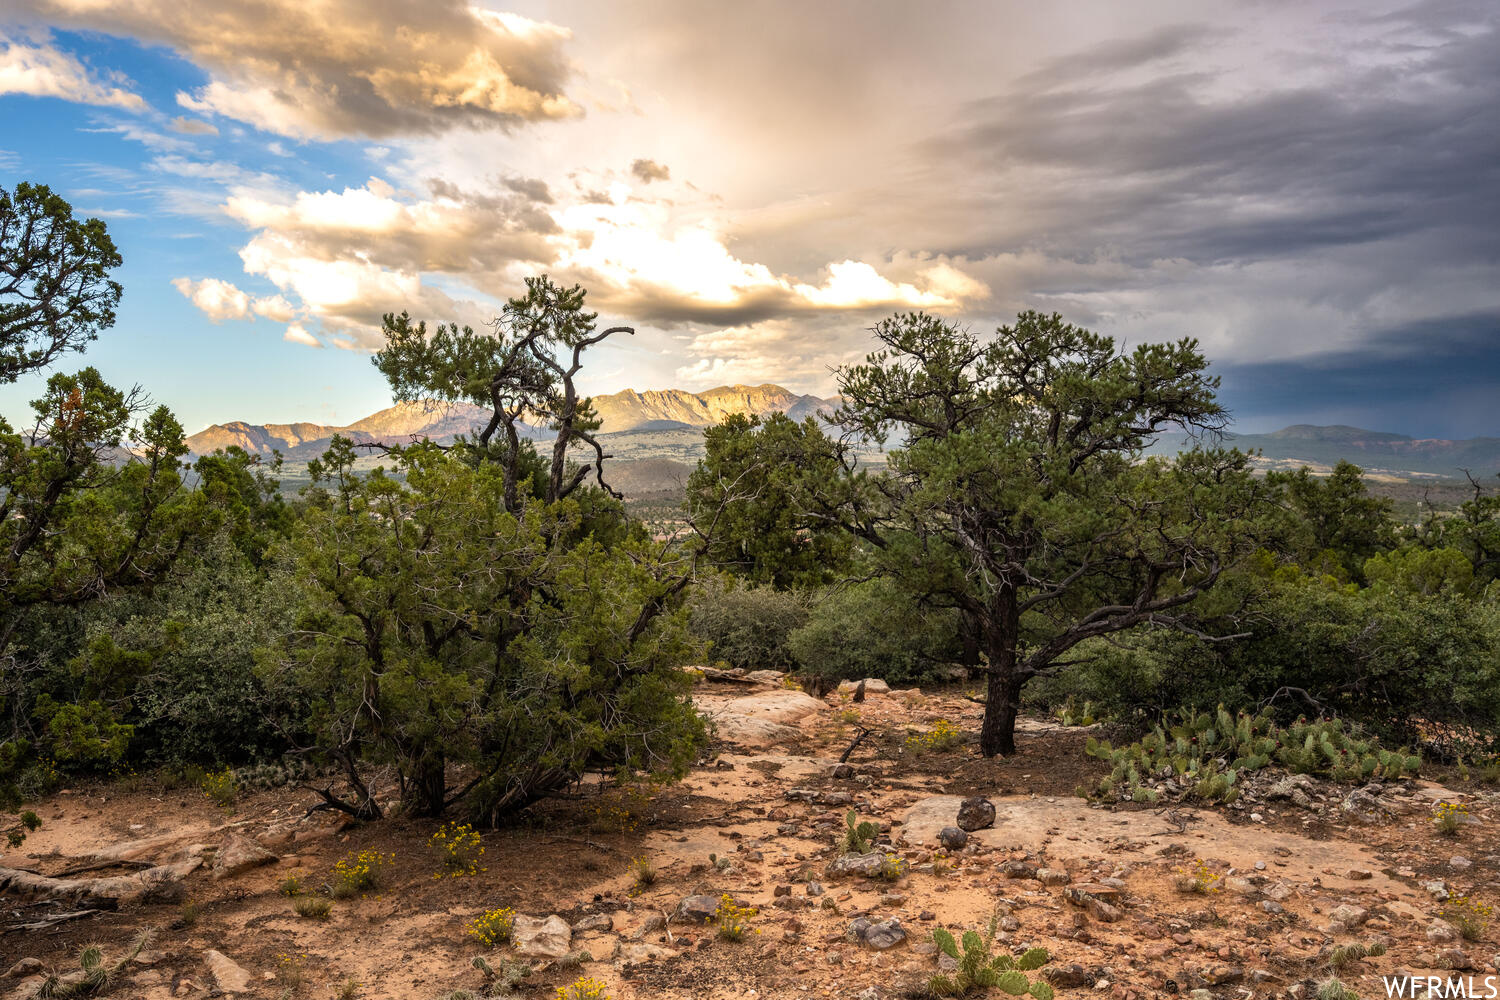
[{"x": 1309, "y": 189}]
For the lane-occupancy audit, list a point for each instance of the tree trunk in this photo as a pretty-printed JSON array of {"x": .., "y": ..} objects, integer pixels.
[
  {"x": 429, "y": 785},
  {"x": 968, "y": 633},
  {"x": 997, "y": 736}
]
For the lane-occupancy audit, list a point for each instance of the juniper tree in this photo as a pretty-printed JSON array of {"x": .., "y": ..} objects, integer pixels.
[{"x": 1017, "y": 491}]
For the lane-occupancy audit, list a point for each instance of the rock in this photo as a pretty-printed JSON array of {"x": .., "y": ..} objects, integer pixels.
[
  {"x": 857, "y": 864},
  {"x": 1096, "y": 900},
  {"x": 1349, "y": 916},
  {"x": 1455, "y": 958},
  {"x": 25, "y": 967},
  {"x": 1440, "y": 933},
  {"x": 696, "y": 909},
  {"x": 231, "y": 978},
  {"x": 1019, "y": 869},
  {"x": 1052, "y": 876},
  {"x": 1223, "y": 975},
  {"x": 976, "y": 813},
  {"x": 1271, "y": 906},
  {"x": 843, "y": 771},
  {"x": 765, "y": 676},
  {"x": 594, "y": 922},
  {"x": 879, "y": 935},
  {"x": 1438, "y": 889},
  {"x": 953, "y": 837},
  {"x": 1360, "y": 801},
  {"x": 1067, "y": 976},
  {"x": 872, "y": 685},
  {"x": 872, "y": 993},
  {"x": 815, "y": 889},
  {"x": 545, "y": 938},
  {"x": 1460, "y": 862},
  {"x": 654, "y": 922},
  {"x": 239, "y": 854},
  {"x": 633, "y": 952},
  {"x": 1279, "y": 892}
]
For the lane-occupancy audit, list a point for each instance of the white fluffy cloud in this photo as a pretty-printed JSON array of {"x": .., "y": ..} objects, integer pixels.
[
  {"x": 296, "y": 333},
  {"x": 350, "y": 256},
  {"x": 217, "y": 299},
  {"x": 336, "y": 68},
  {"x": 44, "y": 71},
  {"x": 220, "y": 300}
]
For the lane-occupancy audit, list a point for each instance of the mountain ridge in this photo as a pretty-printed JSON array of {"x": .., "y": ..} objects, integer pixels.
[
  {"x": 637, "y": 418},
  {"x": 624, "y": 411}
]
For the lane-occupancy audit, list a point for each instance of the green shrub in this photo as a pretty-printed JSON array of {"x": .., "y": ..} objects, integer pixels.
[
  {"x": 872, "y": 629},
  {"x": 747, "y": 627}
]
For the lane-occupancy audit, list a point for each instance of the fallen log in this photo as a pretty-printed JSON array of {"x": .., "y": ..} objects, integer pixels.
[
  {"x": 159, "y": 884},
  {"x": 44, "y": 923}
]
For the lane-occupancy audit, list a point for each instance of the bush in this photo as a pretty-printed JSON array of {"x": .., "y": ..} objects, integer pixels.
[
  {"x": 1386, "y": 657},
  {"x": 747, "y": 627},
  {"x": 437, "y": 630},
  {"x": 872, "y": 629}
]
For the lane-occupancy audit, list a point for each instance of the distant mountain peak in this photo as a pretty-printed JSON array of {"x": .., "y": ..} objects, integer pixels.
[{"x": 627, "y": 410}]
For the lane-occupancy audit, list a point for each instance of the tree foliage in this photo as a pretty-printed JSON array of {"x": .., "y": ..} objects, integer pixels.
[
  {"x": 1019, "y": 496},
  {"x": 523, "y": 371},
  {"x": 1334, "y": 519},
  {"x": 55, "y": 290},
  {"x": 777, "y": 532},
  {"x": 440, "y": 633}
]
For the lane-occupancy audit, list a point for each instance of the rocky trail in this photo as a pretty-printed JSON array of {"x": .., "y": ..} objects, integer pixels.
[{"x": 1260, "y": 898}]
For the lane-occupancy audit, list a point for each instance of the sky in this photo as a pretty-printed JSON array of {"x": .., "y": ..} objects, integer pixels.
[{"x": 1312, "y": 190}]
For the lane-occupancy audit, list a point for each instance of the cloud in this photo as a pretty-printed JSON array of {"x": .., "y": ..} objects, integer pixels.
[
  {"x": 351, "y": 255},
  {"x": 44, "y": 71},
  {"x": 218, "y": 300},
  {"x": 347, "y": 68},
  {"x": 297, "y": 334},
  {"x": 647, "y": 171},
  {"x": 193, "y": 126}
]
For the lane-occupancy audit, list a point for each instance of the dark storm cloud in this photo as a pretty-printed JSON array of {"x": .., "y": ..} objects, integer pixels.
[
  {"x": 1172, "y": 167},
  {"x": 1438, "y": 378}
]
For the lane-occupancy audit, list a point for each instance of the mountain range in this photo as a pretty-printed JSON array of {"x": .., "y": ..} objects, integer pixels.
[
  {"x": 621, "y": 412},
  {"x": 665, "y": 423}
]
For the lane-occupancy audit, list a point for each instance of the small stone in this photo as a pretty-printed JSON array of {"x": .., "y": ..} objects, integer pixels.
[
  {"x": 953, "y": 838},
  {"x": 1440, "y": 933},
  {"x": 1271, "y": 906},
  {"x": 541, "y": 938},
  {"x": 1067, "y": 976},
  {"x": 594, "y": 922},
  {"x": 1359, "y": 874},
  {"x": 976, "y": 813},
  {"x": 635, "y": 952},
  {"x": 25, "y": 967},
  {"x": 879, "y": 935},
  {"x": 697, "y": 909},
  {"x": 1460, "y": 862},
  {"x": 1052, "y": 876},
  {"x": 230, "y": 977}
]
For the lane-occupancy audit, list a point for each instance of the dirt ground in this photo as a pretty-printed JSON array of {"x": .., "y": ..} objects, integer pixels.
[{"x": 768, "y": 805}]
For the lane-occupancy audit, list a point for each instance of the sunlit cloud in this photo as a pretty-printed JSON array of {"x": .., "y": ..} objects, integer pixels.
[
  {"x": 44, "y": 71},
  {"x": 336, "y": 69}
]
